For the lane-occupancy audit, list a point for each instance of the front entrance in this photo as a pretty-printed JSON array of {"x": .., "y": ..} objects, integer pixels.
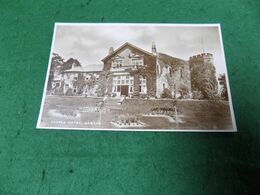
[{"x": 124, "y": 90}]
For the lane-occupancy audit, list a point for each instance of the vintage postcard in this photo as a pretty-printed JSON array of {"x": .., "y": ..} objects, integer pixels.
[{"x": 137, "y": 77}]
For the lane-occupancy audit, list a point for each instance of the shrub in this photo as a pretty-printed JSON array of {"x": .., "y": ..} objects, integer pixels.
[
  {"x": 166, "y": 93},
  {"x": 183, "y": 90}
]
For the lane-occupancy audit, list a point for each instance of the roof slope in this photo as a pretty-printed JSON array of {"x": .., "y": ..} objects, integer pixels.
[
  {"x": 124, "y": 46},
  {"x": 167, "y": 60},
  {"x": 87, "y": 68}
]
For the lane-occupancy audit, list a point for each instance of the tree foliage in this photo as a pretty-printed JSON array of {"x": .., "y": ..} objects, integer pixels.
[
  {"x": 166, "y": 93},
  {"x": 223, "y": 90},
  {"x": 203, "y": 80},
  {"x": 56, "y": 63}
]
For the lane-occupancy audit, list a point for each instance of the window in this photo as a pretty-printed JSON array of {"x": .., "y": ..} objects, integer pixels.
[
  {"x": 137, "y": 62},
  {"x": 181, "y": 73},
  {"x": 117, "y": 63},
  {"x": 118, "y": 88},
  {"x": 170, "y": 72},
  {"x": 163, "y": 85},
  {"x": 57, "y": 84},
  {"x": 142, "y": 85},
  {"x": 159, "y": 69},
  {"x": 119, "y": 80}
]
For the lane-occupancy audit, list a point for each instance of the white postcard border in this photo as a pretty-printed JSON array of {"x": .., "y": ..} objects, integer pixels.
[{"x": 38, "y": 126}]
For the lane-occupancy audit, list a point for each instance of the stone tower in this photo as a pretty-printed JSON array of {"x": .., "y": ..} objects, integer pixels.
[{"x": 203, "y": 76}]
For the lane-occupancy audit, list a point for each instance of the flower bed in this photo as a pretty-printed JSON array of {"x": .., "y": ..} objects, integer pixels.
[{"x": 126, "y": 121}]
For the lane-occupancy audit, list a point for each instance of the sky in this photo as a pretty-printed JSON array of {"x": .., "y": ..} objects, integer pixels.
[{"x": 90, "y": 43}]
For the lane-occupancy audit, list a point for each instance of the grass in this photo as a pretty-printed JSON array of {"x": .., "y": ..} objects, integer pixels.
[{"x": 197, "y": 114}]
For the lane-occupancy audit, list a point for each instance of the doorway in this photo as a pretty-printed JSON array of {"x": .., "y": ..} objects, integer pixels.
[{"x": 124, "y": 90}]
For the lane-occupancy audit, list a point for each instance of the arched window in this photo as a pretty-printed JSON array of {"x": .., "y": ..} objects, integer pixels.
[
  {"x": 163, "y": 85},
  {"x": 158, "y": 69},
  {"x": 170, "y": 72}
]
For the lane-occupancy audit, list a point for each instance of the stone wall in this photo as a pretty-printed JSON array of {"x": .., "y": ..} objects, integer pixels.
[{"x": 173, "y": 74}]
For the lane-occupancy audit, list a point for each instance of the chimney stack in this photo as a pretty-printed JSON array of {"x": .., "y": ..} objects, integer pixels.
[
  {"x": 111, "y": 50},
  {"x": 154, "y": 48}
]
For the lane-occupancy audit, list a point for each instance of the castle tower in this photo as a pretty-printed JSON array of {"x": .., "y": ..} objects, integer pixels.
[
  {"x": 203, "y": 76},
  {"x": 201, "y": 59},
  {"x": 154, "y": 48}
]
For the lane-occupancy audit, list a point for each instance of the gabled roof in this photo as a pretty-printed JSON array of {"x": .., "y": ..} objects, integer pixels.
[{"x": 122, "y": 47}]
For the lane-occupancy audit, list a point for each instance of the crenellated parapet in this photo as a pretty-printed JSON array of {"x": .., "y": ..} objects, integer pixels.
[{"x": 201, "y": 56}]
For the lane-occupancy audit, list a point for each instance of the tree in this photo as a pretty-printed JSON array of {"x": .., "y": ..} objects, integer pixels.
[
  {"x": 56, "y": 63},
  {"x": 210, "y": 91},
  {"x": 166, "y": 93},
  {"x": 104, "y": 83},
  {"x": 183, "y": 90},
  {"x": 223, "y": 90},
  {"x": 203, "y": 80}
]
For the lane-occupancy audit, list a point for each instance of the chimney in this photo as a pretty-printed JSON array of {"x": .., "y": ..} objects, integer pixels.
[
  {"x": 111, "y": 50},
  {"x": 154, "y": 48}
]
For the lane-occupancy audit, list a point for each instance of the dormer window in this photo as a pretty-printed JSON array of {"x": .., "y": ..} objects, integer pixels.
[
  {"x": 117, "y": 63},
  {"x": 137, "y": 62}
]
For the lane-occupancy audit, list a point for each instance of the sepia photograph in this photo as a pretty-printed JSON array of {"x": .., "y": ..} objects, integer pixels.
[{"x": 137, "y": 77}]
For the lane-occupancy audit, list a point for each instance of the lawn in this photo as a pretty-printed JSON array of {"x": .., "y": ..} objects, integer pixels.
[{"x": 82, "y": 112}]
